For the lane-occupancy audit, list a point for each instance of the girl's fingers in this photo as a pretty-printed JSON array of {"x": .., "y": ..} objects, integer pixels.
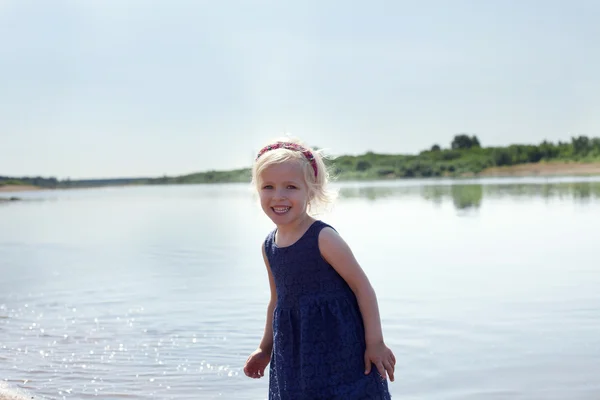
[
  {"x": 390, "y": 369},
  {"x": 367, "y": 365},
  {"x": 381, "y": 370},
  {"x": 254, "y": 373},
  {"x": 249, "y": 371}
]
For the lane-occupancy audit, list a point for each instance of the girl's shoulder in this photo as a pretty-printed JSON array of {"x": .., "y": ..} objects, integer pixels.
[
  {"x": 322, "y": 225},
  {"x": 317, "y": 227}
]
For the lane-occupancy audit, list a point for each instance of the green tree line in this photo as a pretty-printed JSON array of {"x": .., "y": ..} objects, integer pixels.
[{"x": 464, "y": 156}]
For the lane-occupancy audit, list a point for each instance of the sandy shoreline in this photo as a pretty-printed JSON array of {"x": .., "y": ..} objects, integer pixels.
[
  {"x": 15, "y": 396},
  {"x": 17, "y": 188},
  {"x": 14, "y": 393},
  {"x": 544, "y": 169}
]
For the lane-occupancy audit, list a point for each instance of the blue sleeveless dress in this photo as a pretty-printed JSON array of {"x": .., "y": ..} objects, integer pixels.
[{"x": 318, "y": 341}]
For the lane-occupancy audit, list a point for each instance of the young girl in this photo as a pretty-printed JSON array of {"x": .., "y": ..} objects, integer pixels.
[{"x": 323, "y": 331}]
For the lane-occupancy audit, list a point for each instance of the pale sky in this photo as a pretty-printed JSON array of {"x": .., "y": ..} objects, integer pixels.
[{"x": 118, "y": 88}]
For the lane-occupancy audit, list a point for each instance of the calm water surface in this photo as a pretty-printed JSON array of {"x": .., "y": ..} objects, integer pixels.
[{"x": 487, "y": 289}]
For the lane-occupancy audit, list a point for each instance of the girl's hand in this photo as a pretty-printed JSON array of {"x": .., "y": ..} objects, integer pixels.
[
  {"x": 256, "y": 364},
  {"x": 383, "y": 358}
]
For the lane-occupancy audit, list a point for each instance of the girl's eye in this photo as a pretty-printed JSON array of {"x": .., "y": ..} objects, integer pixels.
[
  {"x": 267, "y": 187},
  {"x": 291, "y": 187}
]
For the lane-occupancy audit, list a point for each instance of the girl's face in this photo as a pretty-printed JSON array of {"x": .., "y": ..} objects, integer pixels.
[{"x": 283, "y": 193}]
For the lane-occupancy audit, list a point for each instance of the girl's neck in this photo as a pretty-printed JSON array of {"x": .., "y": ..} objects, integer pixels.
[{"x": 296, "y": 228}]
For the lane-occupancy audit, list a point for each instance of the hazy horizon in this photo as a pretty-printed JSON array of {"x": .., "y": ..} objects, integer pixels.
[{"x": 106, "y": 89}]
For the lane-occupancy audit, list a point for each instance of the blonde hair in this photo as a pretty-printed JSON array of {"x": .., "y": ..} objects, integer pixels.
[{"x": 320, "y": 196}]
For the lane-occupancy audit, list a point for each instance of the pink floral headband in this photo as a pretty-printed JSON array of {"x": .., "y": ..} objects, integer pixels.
[{"x": 291, "y": 146}]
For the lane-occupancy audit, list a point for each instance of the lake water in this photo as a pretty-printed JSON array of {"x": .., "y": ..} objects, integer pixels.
[{"x": 487, "y": 289}]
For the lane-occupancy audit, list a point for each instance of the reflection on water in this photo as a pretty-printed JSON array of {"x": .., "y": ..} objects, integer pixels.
[{"x": 470, "y": 195}]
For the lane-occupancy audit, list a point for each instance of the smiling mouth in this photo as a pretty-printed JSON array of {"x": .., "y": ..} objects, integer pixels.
[{"x": 280, "y": 210}]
